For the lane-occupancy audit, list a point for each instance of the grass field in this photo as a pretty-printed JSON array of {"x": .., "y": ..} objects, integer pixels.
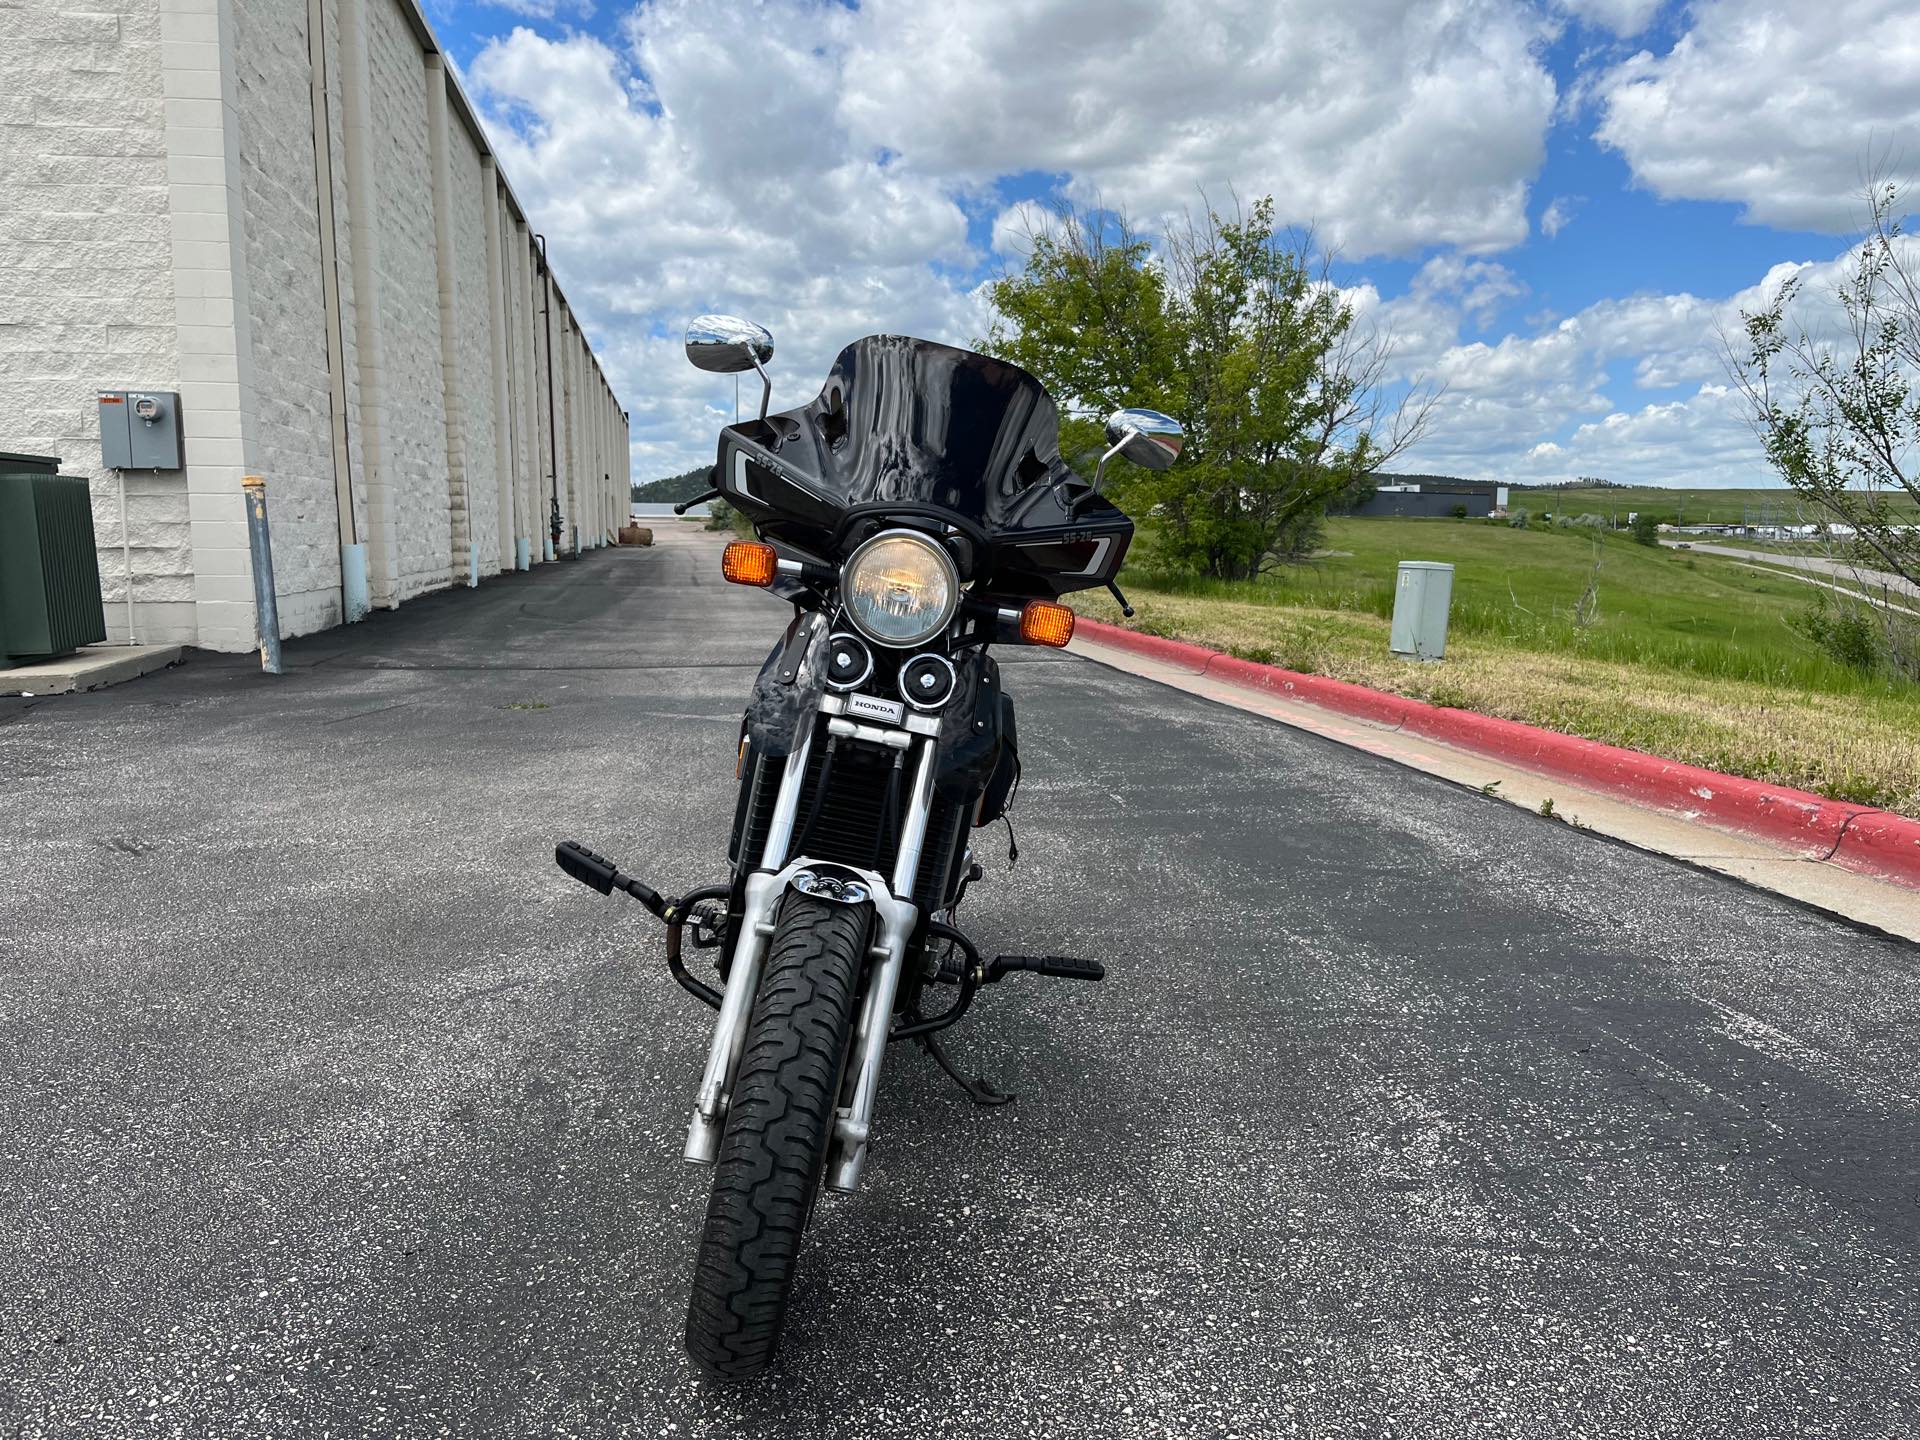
[
  {"x": 1681, "y": 506},
  {"x": 1691, "y": 657}
]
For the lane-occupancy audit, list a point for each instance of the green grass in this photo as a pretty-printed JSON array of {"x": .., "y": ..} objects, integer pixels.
[
  {"x": 1677, "y": 504},
  {"x": 1694, "y": 657},
  {"x": 1668, "y": 609}
]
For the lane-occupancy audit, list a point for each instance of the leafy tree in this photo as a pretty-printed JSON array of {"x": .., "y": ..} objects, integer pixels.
[
  {"x": 1646, "y": 527},
  {"x": 1839, "y": 411},
  {"x": 1236, "y": 331}
]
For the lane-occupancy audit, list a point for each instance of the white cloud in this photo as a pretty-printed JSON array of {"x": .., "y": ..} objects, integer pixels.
[
  {"x": 545, "y": 9},
  {"x": 1625, "y": 18},
  {"x": 1780, "y": 108},
  {"x": 816, "y": 168},
  {"x": 1701, "y": 440},
  {"x": 1391, "y": 127},
  {"x": 1015, "y": 227},
  {"x": 1543, "y": 405},
  {"x": 704, "y": 168}
]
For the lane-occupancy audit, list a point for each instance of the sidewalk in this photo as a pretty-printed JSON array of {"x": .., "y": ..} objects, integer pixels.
[{"x": 88, "y": 668}]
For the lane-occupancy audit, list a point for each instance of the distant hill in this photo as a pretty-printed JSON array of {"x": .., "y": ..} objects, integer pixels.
[{"x": 672, "y": 489}]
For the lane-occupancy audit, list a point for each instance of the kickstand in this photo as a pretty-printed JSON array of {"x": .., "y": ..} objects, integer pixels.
[{"x": 979, "y": 1089}]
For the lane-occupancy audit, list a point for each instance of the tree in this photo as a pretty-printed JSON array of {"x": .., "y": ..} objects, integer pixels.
[
  {"x": 1238, "y": 332},
  {"x": 1838, "y": 409},
  {"x": 1646, "y": 527}
]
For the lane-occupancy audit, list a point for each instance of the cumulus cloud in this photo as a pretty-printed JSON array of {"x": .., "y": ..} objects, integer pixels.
[
  {"x": 1778, "y": 108},
  {"x": 833, "y": 171},
  {"x": 1702, "y": 440},
  {"x": 702, "y": 166},
  {"x": 545, "y": 9},
  {"x": 1391, "y": 127},
  {"x": 822, "y": 169},
  {"x": 1625, "y": 18},
  {"x": 1505, "y": 401}
]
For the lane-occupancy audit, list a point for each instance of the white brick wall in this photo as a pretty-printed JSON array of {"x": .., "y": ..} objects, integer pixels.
[
  {"x": 159, "y": 209},
  {"x": 293, "y": 415},
  {"x": 86, "y": 289},
  {"x": 415, "y": 434},
  {"x": 474, "y": 347}
]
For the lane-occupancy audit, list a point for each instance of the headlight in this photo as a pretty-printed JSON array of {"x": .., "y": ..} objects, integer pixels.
[{"x": 900, "y": 588}]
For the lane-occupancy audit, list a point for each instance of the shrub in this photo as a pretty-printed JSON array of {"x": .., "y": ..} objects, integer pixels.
[
  {"x": 1646, "y": 528},
  {"x": 1459, "y": 512},
  {"x": 1846, "y": 632}
]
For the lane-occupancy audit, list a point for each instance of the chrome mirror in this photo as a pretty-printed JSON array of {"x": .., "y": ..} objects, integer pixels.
[
  {"x": 727, "y": 345},
  {"x": 1145, "y": 437}
]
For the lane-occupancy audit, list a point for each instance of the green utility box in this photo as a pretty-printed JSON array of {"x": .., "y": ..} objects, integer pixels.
[{"x": 49, "y": 569}]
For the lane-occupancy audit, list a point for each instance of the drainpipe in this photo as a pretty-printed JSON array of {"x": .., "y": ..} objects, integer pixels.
[
  {"x": 354, "y": 599},
  {"x": 553, "y": 436},
  {"x": 363, "y": 237}
]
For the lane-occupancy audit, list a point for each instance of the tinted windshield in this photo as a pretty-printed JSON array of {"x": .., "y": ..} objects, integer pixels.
[{"x": 904, "y": 419}]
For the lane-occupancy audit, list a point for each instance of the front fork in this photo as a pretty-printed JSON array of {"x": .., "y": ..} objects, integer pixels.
[{"x": 897, "y": 914}]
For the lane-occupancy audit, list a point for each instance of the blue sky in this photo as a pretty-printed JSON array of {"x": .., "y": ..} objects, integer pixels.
[{"x": 1553, "y": 206}]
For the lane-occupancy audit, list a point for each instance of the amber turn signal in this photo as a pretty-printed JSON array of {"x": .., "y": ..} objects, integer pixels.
[
  {"x": 746, "y": 562},
  {"x": 1044, "y": 623}
]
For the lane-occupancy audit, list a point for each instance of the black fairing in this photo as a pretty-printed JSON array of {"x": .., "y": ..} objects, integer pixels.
[{"x": 906, "y": 421}]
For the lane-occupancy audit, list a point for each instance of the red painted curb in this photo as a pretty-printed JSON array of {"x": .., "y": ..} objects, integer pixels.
[{"x": 1857, "y": 836}]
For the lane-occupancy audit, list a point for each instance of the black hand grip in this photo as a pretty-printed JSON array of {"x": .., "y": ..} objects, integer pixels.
[{"x": 585, "y": 866}]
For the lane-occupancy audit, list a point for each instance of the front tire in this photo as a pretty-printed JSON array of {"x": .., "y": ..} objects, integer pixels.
[{"x": 778, "y": 1126}]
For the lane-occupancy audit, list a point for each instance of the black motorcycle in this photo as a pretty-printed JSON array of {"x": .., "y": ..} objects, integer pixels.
[{"x": 916, "y": 513}]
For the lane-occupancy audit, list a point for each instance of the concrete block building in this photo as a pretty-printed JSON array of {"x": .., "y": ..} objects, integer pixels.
[{"x": 282, "y": 220}]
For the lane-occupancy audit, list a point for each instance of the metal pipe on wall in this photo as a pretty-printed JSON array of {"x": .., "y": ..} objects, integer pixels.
[
  {"x": 463, "y": 555},
  {"x": 353, "y": 555},
  {"x": 266, "y": 607},
  {"x": 553, "y": 436},
  {"x": 363, "y": 236}
]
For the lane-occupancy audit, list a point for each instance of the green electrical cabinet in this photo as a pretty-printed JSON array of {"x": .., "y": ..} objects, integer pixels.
[{"x": 49, "y": 569}]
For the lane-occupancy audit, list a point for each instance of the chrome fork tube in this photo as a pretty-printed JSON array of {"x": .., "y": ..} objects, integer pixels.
[
  {"x": 898, "y": 915},
  {"x": 743, "y": 973},
  {"x": 913, "y": 835}
]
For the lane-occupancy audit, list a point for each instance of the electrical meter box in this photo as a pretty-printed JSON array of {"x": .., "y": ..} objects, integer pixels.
[
  {"x": 139, "y": 429},
  {"x": 1421, "y": 599}
]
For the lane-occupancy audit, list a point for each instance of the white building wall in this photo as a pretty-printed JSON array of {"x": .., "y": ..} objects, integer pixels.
[
  {"x": 160, "y": 205},
  {"x": 473, "y": 344},
  {"x": 87, "y": 306},
  {"x": 293, "y": 435},
  {"x": 415, "y": 433}
]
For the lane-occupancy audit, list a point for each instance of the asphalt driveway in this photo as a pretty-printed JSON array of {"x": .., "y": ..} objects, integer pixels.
[{"x": 328, "y": 1107}]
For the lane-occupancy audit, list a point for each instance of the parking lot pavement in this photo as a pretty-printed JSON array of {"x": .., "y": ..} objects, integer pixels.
[{"x": 328, "y": 1107}]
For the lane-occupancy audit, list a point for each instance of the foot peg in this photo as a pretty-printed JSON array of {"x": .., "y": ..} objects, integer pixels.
[
  {"x": 599, "y": 873},
  {"x": 1064, "y": 967}
]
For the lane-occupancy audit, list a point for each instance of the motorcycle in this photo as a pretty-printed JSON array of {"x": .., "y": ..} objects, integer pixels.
[{"x": 916, "y": 513}]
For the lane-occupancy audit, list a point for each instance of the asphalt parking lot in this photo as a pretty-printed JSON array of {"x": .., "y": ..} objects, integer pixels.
[{"x": 328, "y": 1107}]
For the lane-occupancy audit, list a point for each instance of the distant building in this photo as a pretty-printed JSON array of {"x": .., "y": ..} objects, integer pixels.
[{"x": 1431, "y": 496}]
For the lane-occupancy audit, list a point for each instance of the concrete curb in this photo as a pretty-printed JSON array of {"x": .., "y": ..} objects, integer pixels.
[{"x": 1859, "y": 837}]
